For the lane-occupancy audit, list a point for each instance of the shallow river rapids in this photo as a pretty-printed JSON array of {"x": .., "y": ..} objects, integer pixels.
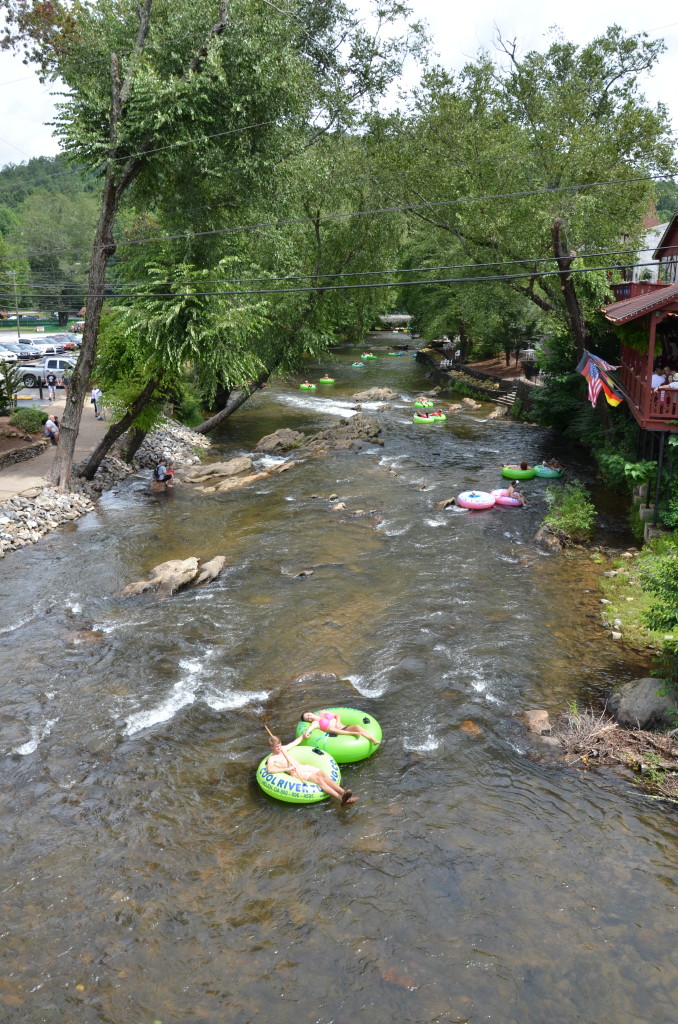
[{"x": 145, "y": 876}]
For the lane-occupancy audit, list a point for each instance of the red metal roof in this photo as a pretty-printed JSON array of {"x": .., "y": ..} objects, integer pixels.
[{"x": 631, "y": 309}]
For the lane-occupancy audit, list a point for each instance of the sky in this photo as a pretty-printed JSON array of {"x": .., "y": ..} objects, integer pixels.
[{"x": 458, "y": 31}]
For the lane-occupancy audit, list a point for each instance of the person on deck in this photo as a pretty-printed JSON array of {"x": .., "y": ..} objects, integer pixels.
[{"x": 281, "y": 760}]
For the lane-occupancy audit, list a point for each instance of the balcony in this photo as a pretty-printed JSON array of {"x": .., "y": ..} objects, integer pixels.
[
  {"x": 631, "y": 289},
  {"x": 654, "y": 410}
]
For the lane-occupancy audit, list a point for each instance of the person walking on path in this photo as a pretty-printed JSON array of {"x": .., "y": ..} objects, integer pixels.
[
  {"x": 51, "y": 385},
  {"x": 98, "y": 399},
  {"x": 66, "y": 382}
]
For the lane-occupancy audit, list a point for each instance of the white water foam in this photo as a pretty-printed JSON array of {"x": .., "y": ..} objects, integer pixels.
[
  {"x": 38, "y": 733},
  {"x": 266, "y": 461},
  {"x": 233, "y": 700},
  {"x": 186, "y": 692},
  {"x": 435, "y": 522},
  {"x": 183, "y": 694},
  {"x": 326, "y": 406},
  {"x": 374, "y": 687},
  {"x": 390, "y": 530},
  {"x": 421, "y": 745}
]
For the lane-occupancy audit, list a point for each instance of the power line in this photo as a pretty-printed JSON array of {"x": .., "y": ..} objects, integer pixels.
[
  {"x": 485, "y": 279},
  {"x": 188, "y": 235},
  {"x": 80, "y": 287}
]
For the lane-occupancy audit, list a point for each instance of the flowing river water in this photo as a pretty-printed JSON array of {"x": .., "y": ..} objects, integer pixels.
[{"x": 146, "y": 877}]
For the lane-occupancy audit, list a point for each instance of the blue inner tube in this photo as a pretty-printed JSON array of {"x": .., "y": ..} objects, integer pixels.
[
  {"x": 293, "y": 791},
  {"x": 547, "y": 472}
]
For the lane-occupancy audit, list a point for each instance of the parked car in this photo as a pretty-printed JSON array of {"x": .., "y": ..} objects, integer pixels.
[
  {"x": 45, "y": 348},
  {"x": 70, "y": 340},
  {"x": 53, "y": 339},
  {"x": 22, "y": 351},
  {"x": 29, "y": 316},
  {"x": 7, "y": 356},
  {"x": 36, "y": 374}
]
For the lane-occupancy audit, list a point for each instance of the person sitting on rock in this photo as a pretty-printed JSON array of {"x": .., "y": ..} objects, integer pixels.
[
  {"x": 50, "y": 430},
  {"x": 281, "y": 760},
  {"x": 164, "y": 473}
]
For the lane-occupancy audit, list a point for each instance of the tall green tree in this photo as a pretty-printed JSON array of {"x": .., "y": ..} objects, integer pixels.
[
  {"x": 535, "y": 134},
  {"x": 165, "y": 94}
]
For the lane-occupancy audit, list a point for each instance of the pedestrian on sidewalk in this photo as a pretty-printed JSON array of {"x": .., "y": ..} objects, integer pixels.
[
  {"x": 51, "y": 384},
  {"x": 98, "y": 399},
  {"x": 66, "y": 382}
]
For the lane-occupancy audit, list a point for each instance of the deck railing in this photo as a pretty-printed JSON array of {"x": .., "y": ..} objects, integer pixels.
[{"x": 653, "y": 407}]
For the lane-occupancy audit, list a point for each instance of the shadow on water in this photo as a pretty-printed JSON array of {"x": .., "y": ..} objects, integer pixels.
[{"x": 146, "y": 876}]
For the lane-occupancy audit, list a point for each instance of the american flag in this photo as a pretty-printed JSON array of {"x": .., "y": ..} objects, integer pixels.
[{"x": 597, "y": 373}]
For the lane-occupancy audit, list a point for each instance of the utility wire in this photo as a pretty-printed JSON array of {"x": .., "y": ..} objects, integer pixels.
[
  {"x": 79, "y": 287},
  {"x": 485, "y": 279},
  {"x": 188, "y": 235}
]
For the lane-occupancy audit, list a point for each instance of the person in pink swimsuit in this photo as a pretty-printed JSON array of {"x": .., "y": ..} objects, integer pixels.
[{"x": 329, "y": 721}]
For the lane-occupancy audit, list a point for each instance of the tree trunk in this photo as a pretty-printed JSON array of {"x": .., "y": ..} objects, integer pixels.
[
  {"x": 102, "y": 250},
  {"x": 236, "y": 399},
  {"x": 565, "y": 259},
  {"x": 129, "y": 448},
  {"x": 117, "y": 430}
]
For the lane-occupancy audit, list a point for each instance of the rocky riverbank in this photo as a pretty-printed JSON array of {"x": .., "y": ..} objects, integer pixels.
[{"x": 26, "y": 518}]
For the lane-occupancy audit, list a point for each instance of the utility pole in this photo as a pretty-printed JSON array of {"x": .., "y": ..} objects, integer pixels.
[{"x": 16, "y": 306}]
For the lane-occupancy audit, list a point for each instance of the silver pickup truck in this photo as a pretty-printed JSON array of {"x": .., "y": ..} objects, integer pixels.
[{"x": 36, "y": 373}]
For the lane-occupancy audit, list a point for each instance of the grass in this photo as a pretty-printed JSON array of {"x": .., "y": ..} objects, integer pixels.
[{"x": 628, "y": 601}]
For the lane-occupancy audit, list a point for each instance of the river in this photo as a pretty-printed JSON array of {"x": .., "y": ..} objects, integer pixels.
[{"x": 145, "y": 877}]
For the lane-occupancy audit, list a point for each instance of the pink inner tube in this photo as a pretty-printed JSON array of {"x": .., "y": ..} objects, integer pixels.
[
  {"x": 501, "y": 498},
  {"x": 475, "y": 500}
]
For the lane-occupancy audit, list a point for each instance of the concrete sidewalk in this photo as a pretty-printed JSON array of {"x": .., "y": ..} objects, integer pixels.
[{"x": 33, "y": 473}]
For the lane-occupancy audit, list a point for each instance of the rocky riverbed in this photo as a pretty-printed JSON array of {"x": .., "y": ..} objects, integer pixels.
[{"x": 24, "y": 519}]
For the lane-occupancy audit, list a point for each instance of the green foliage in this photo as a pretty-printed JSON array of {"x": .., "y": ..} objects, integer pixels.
[
  {"x": 661, "y": 579},
  {"x": 10, "y": 383},
  {"x": 29, "y": 420},
  {"x": 570, "y": 511},
  {"x": 636, "y": 524}
]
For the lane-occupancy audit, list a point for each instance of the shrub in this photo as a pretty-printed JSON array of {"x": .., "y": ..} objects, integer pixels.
[
  {"x": 662, "y": 581},
  {"x": 29, "y": 420},
  {"x": 571, "y": 511},
  {"x": 10, "y": 382}
]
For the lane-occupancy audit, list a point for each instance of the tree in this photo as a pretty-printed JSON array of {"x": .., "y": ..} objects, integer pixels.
[
  {"x": 232, "y": 84},
  {"x": 534, "y": 135}
]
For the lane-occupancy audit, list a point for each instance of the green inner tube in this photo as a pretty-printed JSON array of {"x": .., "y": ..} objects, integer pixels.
[
  {"x": 293, "y": 791},
  {"x": 513, "y": 473},
  {"x": 368, "y": 356},
  {"x": 357, "y": 364},
  {"x": 344, "y": 749},
  {"x": 423, "y": 405},
  {"x": 326, "y": 380},
  {"x": 439, "y": 416},
  {"x": 546, "y": 471},
  {"x": 307, "y": 387},
  {"x": 428, "y": 419}
]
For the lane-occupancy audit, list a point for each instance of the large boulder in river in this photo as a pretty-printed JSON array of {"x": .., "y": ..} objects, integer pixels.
[
  {"x": 165, "y": 578},
  {"x": 547, "y": 540},
  {"x": 347, "y": 435},
  {"x": 214, "y": 472},
  {"x": 282, "y": 440},
  {"x": 637, "y": 705},
  {"x": 376, "y": 395},
  {"x": 168, "y": 577}
]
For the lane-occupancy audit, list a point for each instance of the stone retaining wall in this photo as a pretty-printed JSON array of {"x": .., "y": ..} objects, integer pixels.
[{"x": 16, "y": 455}]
